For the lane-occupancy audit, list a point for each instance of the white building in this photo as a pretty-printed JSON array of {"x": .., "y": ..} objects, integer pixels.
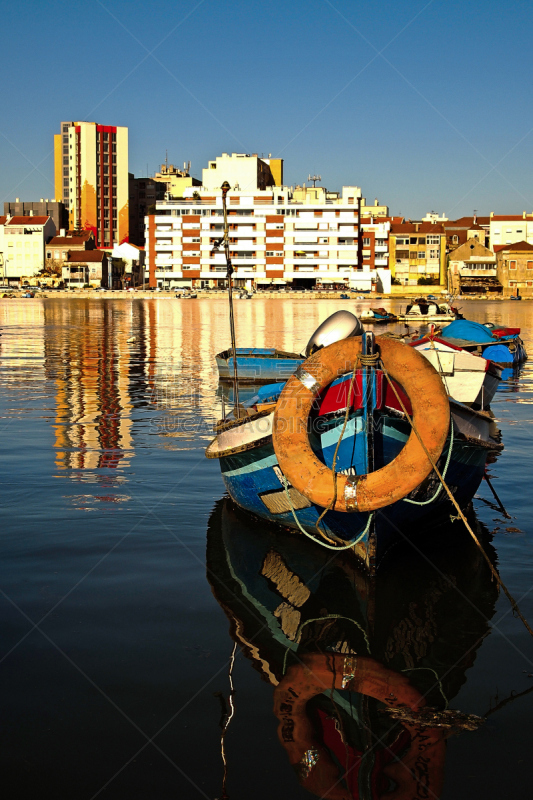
[
  {"x": 23, "y": 241},
  {"x": 243, "y": 172},
  {"x": 273, "y": 240},
  {"x": 509, "y": 229}
]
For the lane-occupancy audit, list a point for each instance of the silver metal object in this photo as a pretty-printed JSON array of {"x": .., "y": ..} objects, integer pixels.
[
  {"x": 350, "y": 495},
  {"x": 340, "y": 325},
  {"x": 308, "y": 380}
]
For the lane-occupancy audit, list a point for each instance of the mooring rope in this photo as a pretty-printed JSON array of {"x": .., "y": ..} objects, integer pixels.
[{"x": 514, "y": 604}]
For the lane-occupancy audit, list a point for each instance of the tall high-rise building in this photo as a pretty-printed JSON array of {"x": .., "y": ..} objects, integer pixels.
[{"x": 91, "y": 178}]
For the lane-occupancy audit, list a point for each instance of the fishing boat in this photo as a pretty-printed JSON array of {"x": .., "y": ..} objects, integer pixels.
[
  {"x": 267, "y": 365},
  {"x": 424, "y": 310},
  {"x": 377, "y": 316},
  {"x": 339, "y": 460},
  {"x": 363, "y": 671},
  {"x": 257, "y": 365},
  {"x": 500, "y": 346},
  {"x": 468, "y": 377}
]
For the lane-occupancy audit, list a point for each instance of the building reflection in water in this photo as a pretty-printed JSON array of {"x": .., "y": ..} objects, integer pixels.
[
  {"x": 90, "y": 363},
  {"x": 343, "y": 651}
]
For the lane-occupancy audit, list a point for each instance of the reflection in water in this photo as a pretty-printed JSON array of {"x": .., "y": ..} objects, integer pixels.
[
  {"x": 340, "y": 648},
  {"x": 167, "y": 372}
]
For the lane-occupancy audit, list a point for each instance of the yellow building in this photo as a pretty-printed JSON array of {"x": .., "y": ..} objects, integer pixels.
[
  {"x": 91, "y": 178},
  {"x": 176, "y": 180},
  {"x": 418, "y": 253}
]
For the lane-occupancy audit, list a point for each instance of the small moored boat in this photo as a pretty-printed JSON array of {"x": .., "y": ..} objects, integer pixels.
[{"x": 422, "y": 311}]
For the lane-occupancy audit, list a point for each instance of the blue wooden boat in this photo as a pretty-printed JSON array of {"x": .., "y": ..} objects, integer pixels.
[
  {"x": 292, "y": 607},
  {"x": 258, "y": 365},
  {"x": 375, "y": 431}
]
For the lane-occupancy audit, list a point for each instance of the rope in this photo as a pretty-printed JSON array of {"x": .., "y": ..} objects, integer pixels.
[
  {"x": 444, "y": 471},
  {"x": 369, "y": 360},
  {"x": 514, "y": 604},
  {"x": 321, "y": 619},
  {"x": 313, "y": 538}
]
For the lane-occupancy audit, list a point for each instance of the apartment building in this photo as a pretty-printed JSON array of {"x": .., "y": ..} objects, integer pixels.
[
  {"x": 510, "y": 229},
  {"x": 418, "y": 253},
  {"x": 23, "y": 241},
  {"x": 375, "y": 242},
  {"x": 91, "y": 179},
  {"x": 274, "y": 240}
]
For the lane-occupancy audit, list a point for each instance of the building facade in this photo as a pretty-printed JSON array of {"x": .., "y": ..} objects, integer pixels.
[
  {"x": 418, "y": 253},
  {"x": 91, "y": 179},
  {"x": 375, "y": 242},
  {"x": 144, "y": 193},
  {"x": 274, "y": 240},
  {"x": 510, "y": 229},
  {"x": 24, "y": 245},
  {"x": 174, "y": 180},
  {"x": 472, "y": 270},
  {"x": 243, "y": 172},
  {"x": 41, "y": 208},
  {"x": 515, "y": 269},
  {"x": 86, "y": 268}
]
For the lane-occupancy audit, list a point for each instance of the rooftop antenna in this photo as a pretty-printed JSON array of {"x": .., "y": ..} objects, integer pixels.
[
  {"x": 166, "y": 159},
  {"x": 314, "y": 178}
]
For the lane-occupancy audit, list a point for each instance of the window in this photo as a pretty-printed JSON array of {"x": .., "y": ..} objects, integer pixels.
[
  {"x": 433, "y": 253},
  {"x": 512, "y": 264},
  {"x": 455, "y": 239},
  {"x": 433, "y": 239},
  {"x": 530, "y": 264},
  {"x": 413, "y": 240},
  {"x": 529, "y": 283},
  {"x": 512, "y": 283},
  {"x": 366, "y": 242},
  {"x": 421, "y": 254}
]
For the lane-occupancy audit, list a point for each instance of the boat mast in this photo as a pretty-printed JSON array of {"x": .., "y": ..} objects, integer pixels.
[{"x": 225, "y": 188}]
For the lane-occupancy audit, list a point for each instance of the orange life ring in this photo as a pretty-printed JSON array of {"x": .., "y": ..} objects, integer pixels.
[
  {"x": 422, "y": 764},
  {"x": 431, "y": 416}
]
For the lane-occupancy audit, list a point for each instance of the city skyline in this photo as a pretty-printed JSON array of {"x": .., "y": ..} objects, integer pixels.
[{"x": 421, "y": 105}]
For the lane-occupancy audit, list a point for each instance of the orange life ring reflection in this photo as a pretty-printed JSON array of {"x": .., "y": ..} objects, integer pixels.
[{"x": 416, "y": 761}]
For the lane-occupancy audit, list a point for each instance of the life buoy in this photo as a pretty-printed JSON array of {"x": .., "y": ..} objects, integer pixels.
[
  {"x": 431, "y": 417},
  {"x": 421, "y": 767}
]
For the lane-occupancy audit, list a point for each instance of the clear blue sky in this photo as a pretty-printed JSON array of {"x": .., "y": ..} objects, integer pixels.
[{"x": 425, "y": 105}]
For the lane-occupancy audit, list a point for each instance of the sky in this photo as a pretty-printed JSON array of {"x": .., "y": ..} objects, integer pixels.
[{"x": 426, "y": 106}]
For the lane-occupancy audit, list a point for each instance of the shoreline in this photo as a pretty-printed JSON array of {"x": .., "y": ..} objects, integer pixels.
[{"x": 125, "y": 294}]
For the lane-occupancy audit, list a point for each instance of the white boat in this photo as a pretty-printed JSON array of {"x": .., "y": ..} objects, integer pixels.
[
  {"x": 468, "y": 378},
  {"x": 422, "y": 311}
]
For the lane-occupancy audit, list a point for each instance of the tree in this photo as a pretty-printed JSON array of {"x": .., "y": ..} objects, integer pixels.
[{"x": 52, "y": 268}]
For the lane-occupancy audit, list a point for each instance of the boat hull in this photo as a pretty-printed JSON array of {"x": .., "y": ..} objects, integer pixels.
[{"x": 254, "y": 481}]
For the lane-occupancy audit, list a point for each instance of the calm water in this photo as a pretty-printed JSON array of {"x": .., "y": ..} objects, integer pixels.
[{"x": 118, "y": 620}]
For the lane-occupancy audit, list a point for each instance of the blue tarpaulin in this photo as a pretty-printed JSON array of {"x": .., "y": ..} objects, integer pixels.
[{"x": 467, "y": 330}]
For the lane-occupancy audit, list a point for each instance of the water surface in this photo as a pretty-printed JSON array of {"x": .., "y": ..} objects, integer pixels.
[{"x": 116, "y": 632}]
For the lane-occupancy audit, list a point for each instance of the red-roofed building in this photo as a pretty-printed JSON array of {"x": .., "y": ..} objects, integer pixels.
[
  {"x": 418, "y": 253},
  {"x": 86, "y": 267},
  {"x": 22, "y": 246},
  {"x": 515, "y": 268},
  {"x": 461, "y": 230},
  {"x": 57, "y": 248}
]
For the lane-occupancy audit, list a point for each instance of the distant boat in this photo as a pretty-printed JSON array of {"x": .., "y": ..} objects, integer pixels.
[
  {"x": 424, "y": 310},
  {"x": 377, "y": 316}
]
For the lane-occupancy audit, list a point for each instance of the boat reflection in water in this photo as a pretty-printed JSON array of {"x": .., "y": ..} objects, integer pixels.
[{"x": 353, "y": 658}]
